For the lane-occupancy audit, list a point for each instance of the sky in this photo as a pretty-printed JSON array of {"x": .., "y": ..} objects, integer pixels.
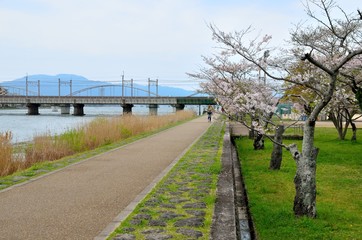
[{"x": 156, "y": 39}]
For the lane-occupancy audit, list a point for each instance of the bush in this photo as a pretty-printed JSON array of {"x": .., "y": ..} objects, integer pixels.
[
  {"x": 97, "y": 133},
  {"x": 7, "y": 165}
]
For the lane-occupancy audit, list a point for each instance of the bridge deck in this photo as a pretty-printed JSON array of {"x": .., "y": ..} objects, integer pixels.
[{"x": 57, "y": 100}]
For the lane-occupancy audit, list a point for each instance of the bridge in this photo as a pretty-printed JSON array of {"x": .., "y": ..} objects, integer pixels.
[
  {"x": 78, "y": 102},
  {"x": 10, "y": 95}
]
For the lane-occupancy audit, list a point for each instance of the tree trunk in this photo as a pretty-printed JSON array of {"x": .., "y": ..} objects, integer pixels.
[
  {"x": 354, "y": 132},
  {"x": 259, "y": 142},
  {"x": 251, "y": 133},
  {"x": 277, "y": 154},
  {"x": 358, "y": 94},
  {"x": 337, "y": 119},
  {"x": 305, "y": 177},
  {"x": 353, "y": 125}
]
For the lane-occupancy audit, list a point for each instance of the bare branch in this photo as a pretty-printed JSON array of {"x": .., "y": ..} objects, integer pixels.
[
  {"x": 347, "y": 59},
  {"x": 308, "y": 57},
  {"x": 360, "y": 14}
]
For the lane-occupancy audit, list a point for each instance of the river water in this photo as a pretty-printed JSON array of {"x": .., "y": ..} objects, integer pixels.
[{"x": 25, "y": 127}]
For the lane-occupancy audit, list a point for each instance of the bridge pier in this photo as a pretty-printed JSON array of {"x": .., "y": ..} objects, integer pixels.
[
  {"x": 33, "y": 108},
  {"x": 153, "y": 109},
  {"x": 78, "y": 109},
  {"x": 65, "y": 109},
  {"x": 127, "y": 108},
  {"x": 179, "y": 107}
]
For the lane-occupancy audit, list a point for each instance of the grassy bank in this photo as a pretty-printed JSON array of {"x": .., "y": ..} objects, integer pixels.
[
  {"x": 339, "y": 191},
  {"x": 100, "y": 132},
  {"x": 8, "y": 161},
  {"x": 181, "y": 205}
]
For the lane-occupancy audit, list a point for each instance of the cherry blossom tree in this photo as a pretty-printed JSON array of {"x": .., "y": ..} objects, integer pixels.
[
  {"x": 327, "y": 46},
  {"x": 242, "y": 97},
  {"x": 341, "y": 111},
  {"x": 353, "y": 78},
  {"x": 245, "y": 98}
]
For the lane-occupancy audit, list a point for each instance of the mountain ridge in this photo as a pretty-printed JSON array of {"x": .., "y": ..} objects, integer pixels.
[{"x": 65, "y": 84}]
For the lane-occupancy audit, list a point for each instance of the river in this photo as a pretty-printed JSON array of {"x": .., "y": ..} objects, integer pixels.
[{"x": 25, "y": 127}]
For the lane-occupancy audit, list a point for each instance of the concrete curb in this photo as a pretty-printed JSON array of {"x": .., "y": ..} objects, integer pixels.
[
  {"x": 224, "y": 220},
  {"x": 231, "y": 217}
]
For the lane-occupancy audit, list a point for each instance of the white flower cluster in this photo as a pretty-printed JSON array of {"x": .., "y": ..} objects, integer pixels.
[{"x": 244, "y": 97}]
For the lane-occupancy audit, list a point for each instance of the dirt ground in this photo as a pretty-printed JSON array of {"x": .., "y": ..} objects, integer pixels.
[
  {"x": 330, "y": 124},
  {"x": 240, "y": 130}
]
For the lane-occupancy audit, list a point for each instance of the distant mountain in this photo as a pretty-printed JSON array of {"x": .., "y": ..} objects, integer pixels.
[{"x": 81, "y": 86}]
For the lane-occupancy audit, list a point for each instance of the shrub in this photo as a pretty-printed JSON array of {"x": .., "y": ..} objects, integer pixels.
[
  {"x": 97, "y": 133},
  {"x": 8, "y": 162}
]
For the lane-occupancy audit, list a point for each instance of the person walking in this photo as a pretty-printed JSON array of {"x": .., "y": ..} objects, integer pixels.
[{"x": 210, "y": 110}]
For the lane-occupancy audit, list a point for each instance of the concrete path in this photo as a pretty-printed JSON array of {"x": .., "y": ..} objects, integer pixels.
[{"x": 79, "y": 201}]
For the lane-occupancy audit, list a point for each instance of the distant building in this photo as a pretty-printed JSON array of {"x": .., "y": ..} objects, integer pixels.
[
  {"x": 284, "y": 110},
  {"x": 3, "y": 91}
]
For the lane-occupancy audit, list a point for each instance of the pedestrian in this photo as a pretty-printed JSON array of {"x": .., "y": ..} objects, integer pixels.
[{"x": 210, "y": 109}]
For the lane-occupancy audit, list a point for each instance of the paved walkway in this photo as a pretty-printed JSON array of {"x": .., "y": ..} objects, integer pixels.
[{"x": 79, "y": 201}]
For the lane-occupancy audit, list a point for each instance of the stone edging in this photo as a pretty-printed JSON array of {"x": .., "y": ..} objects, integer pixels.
[{"x": 231, "y": 216}]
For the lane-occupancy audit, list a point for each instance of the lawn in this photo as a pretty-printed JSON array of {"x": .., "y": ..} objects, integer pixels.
[{"x": 339, "y": 190}]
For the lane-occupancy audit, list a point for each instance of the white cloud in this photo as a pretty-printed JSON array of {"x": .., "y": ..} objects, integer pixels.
[
  {"x": 101, "y": 38},
  {"x": 107, "y": 27}
]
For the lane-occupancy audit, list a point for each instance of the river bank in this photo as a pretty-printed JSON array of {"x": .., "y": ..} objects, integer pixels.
[
  {"x": 25, "y": 127},
  {"x": 96, "y": 133},
  {"x": 77, "y": 205}
]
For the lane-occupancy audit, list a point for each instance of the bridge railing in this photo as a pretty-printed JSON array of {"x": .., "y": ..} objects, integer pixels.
[{"x": 106, "y": 100}]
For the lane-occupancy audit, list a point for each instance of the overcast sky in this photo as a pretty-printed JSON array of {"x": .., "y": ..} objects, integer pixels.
[{"x": 101, "y": 39}]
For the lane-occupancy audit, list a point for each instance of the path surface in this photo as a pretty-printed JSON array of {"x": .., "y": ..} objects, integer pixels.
[{"x": 79, "y": 201}]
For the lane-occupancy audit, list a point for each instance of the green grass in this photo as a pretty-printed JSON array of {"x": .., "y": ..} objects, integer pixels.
[
  {"x": 339, "y": 190},
  {"x": 193, "y": 178}
]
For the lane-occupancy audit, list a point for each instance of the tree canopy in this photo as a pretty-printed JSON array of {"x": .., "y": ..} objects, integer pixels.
[{"x": 323, "y": 55}]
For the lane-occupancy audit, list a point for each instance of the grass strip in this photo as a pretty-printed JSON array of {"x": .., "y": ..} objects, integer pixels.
[
  {"x": 45, "y": 167},
  {"x": 339, "y": 190},
  {"x": 182, "y": 203}
]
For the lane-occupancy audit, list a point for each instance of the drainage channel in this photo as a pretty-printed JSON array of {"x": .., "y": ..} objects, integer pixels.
[
  {"x": 244, "y": 223},
  {"x": 231, "y": 214}
]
